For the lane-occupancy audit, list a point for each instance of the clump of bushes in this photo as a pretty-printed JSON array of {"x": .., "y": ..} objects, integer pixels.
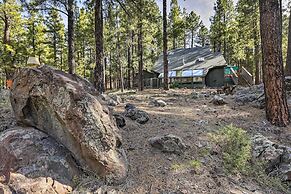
[
  {"x": 235, "y": 147},
  {"x": 192, "y": 164}
]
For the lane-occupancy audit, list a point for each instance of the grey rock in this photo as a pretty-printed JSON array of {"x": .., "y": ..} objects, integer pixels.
[
  {"x": 157, "y": 103},
  {"x": 139, "y": 116},
  {"x": 218, "y": 100},
  {"x": 168, "y": 143},
  {"x": 116, "y": 98},
  {"x": 120, "y": 121},
  {"x": 66, "y": 108},
  {"x": 30, "y": 154},
  {"x": 276, "y": 157},
  {"x": 112, "y": 102},
  {"x": 129, "y": 106}
]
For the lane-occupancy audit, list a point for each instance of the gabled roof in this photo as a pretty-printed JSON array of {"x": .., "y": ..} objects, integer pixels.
[{"x": 190, "y": 58}]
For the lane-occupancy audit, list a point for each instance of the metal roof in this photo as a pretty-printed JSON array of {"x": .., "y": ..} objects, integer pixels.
[{"x": 191, "y": 59}]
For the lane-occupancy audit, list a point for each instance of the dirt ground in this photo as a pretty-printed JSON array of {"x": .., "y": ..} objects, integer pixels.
[
  {"x": 191, "y": 119},
  {"x": 154, "y": 172}
]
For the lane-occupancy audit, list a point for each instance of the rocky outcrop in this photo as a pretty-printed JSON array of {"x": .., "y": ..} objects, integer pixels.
[
  {"x": 251, "y": 95},
  {"x": 111, "y": 100},
  {"x": 168, "y": 143},
  {"x": 65, "y": 107},
  {"x": 32, "y": 162},
  {"x": 7, "y": 119},
  {"x": 276, "y": 157}
]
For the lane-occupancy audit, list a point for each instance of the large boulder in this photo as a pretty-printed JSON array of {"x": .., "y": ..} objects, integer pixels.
[
  {"x": 65, "y": 107},
  {"x": 32, "y": 161}
]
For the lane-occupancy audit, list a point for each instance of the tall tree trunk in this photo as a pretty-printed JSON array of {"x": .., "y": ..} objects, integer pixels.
[
  {"x": 33, "y": 40},
  {"x": 55, "y": 49},
  {"x": 165, "y": 46},
  {"x": 271, "y": 34},
  {"x": 99, "y": 69},
  {"x": 192, "y": 38},
  {"x": 6, "y": 41},
  {"x": 214, "y": 46},
  {"x": 140, "y": 50},
  {"x": 71, "y": 30},
  {"x": 288, "y": 61},
  {"x": 129, "y": 62},
  {"x": 105, "y": 68},
  {"x": 185, "y": 40},
  {"x": 257, "y": 53},
  {"x": 225, "y": 54},
  {"x": 110, "y": 71},
  {"x": 6, "y": 37},
  {"x": 119, "y": 63},
  {"x": 174, "y": 43}
]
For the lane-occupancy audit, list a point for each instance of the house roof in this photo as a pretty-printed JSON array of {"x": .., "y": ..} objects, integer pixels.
[{"x": 191, "y": 59}]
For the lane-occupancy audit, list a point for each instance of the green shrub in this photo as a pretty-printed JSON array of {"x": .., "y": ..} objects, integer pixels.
[
  {"x": 236, "y": 148},
  {"x": 175, "y": 85},
  {"x": 192, "y": 164},
  {"x": 195, "y": 164}
]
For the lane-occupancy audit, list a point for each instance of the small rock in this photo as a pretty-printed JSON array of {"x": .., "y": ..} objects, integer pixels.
[
  {"x": 129, "y": 106},
  {"x": 116, "y": 98},
  {"x": 157, "y": 103},
  {"x": 217, "y": 100},
  {"x": 168, "y": 143},
  {"x": 112, "y": 102},
  {"x": 120, "y": 121},
  {"x": 139, "y": 116}
]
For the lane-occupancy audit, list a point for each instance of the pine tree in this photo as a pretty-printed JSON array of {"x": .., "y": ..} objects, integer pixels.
[
  {"x": 56, "y": 38},
  {"x": 271, "y": 34},
  {"x": 165, "y": 45},
  {"x": 222, "y": 28},
  {"x": 176, "y": 23},
  {"x": 288, "y": 59},
  {"x": 193, "y": 21},
  {"x": 10, "y": 19},
  {"x": 203, "y": 34},
  {"x": 99, "y": 68}
]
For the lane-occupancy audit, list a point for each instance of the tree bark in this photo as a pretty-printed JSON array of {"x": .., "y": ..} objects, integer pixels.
[
  {"x": 105, "y": 68},
  {"x": 71, "y": 29},
  {"x": 129, "y": 62},
  {"x": 257, "y": 49},
  {"x": 165, "y": 46},
  {"x": 110, "y": 71},
  {"x": 140, "y": 51},
  {"x": 55, "y": 49},
  {"x": 6, "y": 41},
  {"x": 192, "y": 38},
  {"x": 174, "y": 43},
  {"x": 288, "y": 61},
  {"x": 99, "y": 69},
  {"x": 271, "y": 34},
  {"x": 185, "y": 40},
  {"x": 6, "y": 37},
  {"x": 120, "y": 64}
]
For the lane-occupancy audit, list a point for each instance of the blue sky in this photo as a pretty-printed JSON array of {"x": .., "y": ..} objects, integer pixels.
[{"x": 202, "y": 7}]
